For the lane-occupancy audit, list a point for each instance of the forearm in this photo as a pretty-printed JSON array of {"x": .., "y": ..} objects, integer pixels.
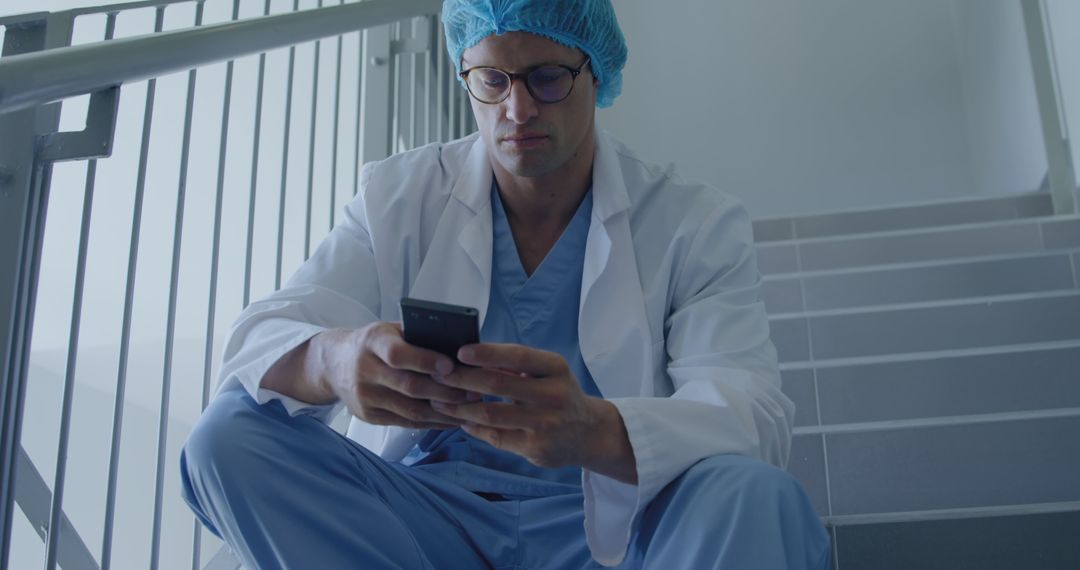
[
  {"x": 608, "y": 450},
  {"x": 301, "y": 373}
]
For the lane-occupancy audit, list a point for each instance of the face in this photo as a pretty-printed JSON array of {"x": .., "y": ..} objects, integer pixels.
[{"x": 524, "y": 137}]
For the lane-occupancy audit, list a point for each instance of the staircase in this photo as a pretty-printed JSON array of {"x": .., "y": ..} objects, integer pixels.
[{"x": 933, "y": 352}]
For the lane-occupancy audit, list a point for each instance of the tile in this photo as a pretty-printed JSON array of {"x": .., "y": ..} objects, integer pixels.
[
  {"x": 923, "y": 246},
  {"x": 1034, "y": 205},
  {"x": 799, "y": 386},
  {"x": 785, "y": 295},
  {"x": 807, "y": 464},
  {"x": 773, "y": 230},
  {"x": 939, "y": 282},
  {"x": 1021, "y": 542},
  {"x": 899, "y": 331},
  {"x": 791, "y": 337},
  {"x": 983, "y": 384},
  {"x": 777, "y": 258},
  {"x": 921, "y": 216},
  {"x": 976, "y": 465},
  {"x": 1061, "y": 233}
]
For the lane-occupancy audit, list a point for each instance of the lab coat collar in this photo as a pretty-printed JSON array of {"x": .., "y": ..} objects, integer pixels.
[{"x": 473, "y": 187}]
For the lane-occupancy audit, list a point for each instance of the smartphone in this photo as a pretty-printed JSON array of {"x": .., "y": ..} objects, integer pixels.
[{"x": 439, "y": 326}]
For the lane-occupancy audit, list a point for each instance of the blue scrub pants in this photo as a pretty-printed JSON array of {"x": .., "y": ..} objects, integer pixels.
[{"x": 289, "y": 492}]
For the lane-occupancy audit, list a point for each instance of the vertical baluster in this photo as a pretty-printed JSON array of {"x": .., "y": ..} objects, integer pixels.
[
  {"x": 451, "y": 105},
  {"x": 285, "y": 160},
  {"x": 129, "y": 293},
  {"x": 254, "y": 153},
  {"x": 211, "y": 311},
  {"x": 440, "y": 82},
  {"x": 311, "y": 148},
  {"x": 395, "y": 99},
  {"x": 170, "y": 323},
  {"x": 429, "y": 22},
  {"x": 412, "y": 86},
  {"x": 358, "y": 153},
  {"x": 337, "y": 121}
]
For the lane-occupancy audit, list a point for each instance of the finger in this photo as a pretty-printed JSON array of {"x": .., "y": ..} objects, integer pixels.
[
  {"x": 411, "y": 409},
  {"x": 507, "y": 439},
  {"x": 384, "y": 418},
  {"x": 515, "y": 357},
  {"x": 390, "y": 346},
  {"x": 420, "y": 387},
  {"x": 501, "y": 415},
  {"x": 497, "y": 383}
]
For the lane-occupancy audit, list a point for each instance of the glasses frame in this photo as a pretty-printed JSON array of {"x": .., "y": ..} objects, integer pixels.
[{"x": 524, "y": 77}]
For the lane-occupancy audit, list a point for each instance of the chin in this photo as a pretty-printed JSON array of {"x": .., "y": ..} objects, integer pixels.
[{"x": 528, "y": 166}]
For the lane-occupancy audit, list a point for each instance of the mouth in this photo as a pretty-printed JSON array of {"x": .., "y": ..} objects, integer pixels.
[{"x": 525, "y": 139}]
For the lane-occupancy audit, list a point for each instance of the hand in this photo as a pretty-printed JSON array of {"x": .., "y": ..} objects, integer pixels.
[
  {"x": 548, "y": 419},
  {"x": 381, "y": 378}
]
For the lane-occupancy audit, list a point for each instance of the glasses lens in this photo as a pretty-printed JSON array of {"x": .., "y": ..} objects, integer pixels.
[
  {"x": 488, "y": 84},
  {"x": 550, "y": 83}
]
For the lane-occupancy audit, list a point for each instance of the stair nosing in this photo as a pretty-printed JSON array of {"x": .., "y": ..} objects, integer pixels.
[{"x": 928, "y": 355}]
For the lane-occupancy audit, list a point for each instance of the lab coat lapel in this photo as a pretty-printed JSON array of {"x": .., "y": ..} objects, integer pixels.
[
  {"x": 457, "y": 266},
  {"x": 612, "y": 327}
]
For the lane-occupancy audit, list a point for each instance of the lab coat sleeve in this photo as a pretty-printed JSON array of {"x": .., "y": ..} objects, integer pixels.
[
  {"x": 725, "y": 377},
  {"x": 337, "y": 287}
]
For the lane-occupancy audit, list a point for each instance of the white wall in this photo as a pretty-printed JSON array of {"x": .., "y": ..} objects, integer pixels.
[
  {"x": 1004, "y": 133},
  {"x": 834, "y": 104}
]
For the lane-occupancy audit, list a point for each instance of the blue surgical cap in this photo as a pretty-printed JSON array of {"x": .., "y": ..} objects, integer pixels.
[{"x": 587, "y": 25}]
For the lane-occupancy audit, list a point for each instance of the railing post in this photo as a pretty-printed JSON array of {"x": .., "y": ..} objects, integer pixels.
[
  {"x": 24, "y": 185},
  {"x": 1061, "y": 171},
  {"x": 375, "y": 105}
]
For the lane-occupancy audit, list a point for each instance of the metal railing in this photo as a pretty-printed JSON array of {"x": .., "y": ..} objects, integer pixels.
[{"x": 255, "y": 154}]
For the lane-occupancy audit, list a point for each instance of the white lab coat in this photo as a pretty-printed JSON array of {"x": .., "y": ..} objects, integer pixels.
[{"x": 671, "y": 325}]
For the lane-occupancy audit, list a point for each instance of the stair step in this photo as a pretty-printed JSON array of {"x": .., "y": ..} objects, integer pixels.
[
  {"x": 952, "y": 466},
  {"x": 970, "y": 323},
  {"x": 938, "y": 280},
  {"x": 937, "y": 387},
  {"x": 862, "y": 250},
  {"x": 1041, "y": 541},
  {"x": 903, "y": 217}
]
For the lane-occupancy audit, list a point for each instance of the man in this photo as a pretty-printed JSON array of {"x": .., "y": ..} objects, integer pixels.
[{"x": 624, "y": 406}]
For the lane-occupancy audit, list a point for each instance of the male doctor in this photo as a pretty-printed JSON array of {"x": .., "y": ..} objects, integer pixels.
[{"x": 624, "y": 407}]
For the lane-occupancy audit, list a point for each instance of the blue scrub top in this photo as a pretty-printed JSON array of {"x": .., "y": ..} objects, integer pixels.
[{"x": 540, "y": 311}]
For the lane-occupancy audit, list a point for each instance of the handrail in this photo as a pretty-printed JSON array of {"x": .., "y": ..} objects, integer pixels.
[{"x": 37, "y": 78}]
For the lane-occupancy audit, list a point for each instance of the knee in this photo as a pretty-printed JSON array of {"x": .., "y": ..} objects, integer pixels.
[
  {"x": 742, "y": 478},
  {"x": 227, "y": 435}
]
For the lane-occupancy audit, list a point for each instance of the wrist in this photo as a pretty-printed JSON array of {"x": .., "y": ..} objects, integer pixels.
[{"x": 607, "y": 444}]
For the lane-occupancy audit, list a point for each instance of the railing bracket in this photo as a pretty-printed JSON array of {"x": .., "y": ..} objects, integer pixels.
[{"x": 95, "y": 141}]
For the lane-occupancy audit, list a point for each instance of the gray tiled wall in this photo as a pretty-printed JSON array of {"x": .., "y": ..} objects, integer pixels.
[
  {"x": 923, "y": 216},
  {"x": 791, "y": 337},
  {"x": 938, "y": 282},
  {"x": 989, "y": 383},
  {"x": 1019, "y": 542},
  {"x": 807, "y": 464},
  {"x": 1061, "y": 233},
  {"x": 777, "y": 258},
  {"x": 902, "y": 217},
  {"x": 799, "y": 386},
  {"x": 943, "y": 327},
  {"x": 1014, "y": 237},
  {"x": 977, "y": 465}
]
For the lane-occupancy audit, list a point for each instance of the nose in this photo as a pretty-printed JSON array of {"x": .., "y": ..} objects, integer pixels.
[{"x": 520, "y": 105}]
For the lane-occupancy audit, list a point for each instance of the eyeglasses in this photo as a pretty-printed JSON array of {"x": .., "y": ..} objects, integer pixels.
[{"x": 546, "y": 83}]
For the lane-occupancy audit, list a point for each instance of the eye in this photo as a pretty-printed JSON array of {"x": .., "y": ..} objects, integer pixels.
[
  {"x": 547, "y": 74},
  {"x": 490, "y": 78}
]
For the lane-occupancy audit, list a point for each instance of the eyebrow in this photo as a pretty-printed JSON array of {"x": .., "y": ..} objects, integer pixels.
[{"x": 465, "y": 65}]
